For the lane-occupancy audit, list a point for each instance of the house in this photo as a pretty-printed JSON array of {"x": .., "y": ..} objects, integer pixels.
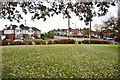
[
  {"x": 67, "y": 32},
  {"x": 78, "y": 32},
  {"x": 19, "y": 32}
]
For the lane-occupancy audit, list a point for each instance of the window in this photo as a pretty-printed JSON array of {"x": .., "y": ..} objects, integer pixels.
[
  {"x": 17, "y": 30},
  {"x": 17, "y": 35},
  {"x": 21, "y": 35}
]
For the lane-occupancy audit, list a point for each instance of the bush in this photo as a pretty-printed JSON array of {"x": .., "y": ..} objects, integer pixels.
[
  {"x": 85, "y": 41},
  {"x": 5, "y": 42},
  {"x": 79, "y": 42},
  {"x": 0, "y": 43},
  {"x": 96, "y": 42},
  {"x": 29, "y": 43},
  {"x": 44, "y": 42},
  {"x": 49, "y": 42},
  {"x": 56, "y": 42},
  {"x": 38, "y": 42},
  {"x": 19, "y": 43},
  {"x": 71, "y": 41},
  {"x": 64, "y": 41}
]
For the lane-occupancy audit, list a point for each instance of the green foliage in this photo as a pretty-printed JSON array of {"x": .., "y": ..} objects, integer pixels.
[
  {"x": 111, "y": 24},
  {"x": 64, "y": 41},
  {"x": 82, "y": 9},
  {"x": 112, "y": 35},
  {"x": 0, "y": 38},
  {"x": 47, "y": 36}
]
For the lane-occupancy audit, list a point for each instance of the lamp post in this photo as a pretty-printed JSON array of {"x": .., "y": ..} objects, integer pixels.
[
  {"x": 68, "y": 27},
  {"x": 75, "y": 32},
  {"x": 90, "y": 33},
  {"x": 75, "y": 29}
]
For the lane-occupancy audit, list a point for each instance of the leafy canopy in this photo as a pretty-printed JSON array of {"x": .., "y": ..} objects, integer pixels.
[
  {"x": 111, "y": 24},
  {"x": 84, "y": 10}
]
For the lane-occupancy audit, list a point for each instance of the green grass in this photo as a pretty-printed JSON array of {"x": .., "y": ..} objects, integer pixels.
[
  {"x": 107, "y": 47},
  {"x": 59, "y": 61}
]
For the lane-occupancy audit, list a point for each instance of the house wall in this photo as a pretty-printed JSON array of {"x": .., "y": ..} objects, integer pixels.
[
  {"x": 24, "y": 31},
  {"x": 8, "y": 31},
  {"x": 18, "y": 32},
  {"x": 30, "y": 32},
  {"x": 37, "y": 33},
  {"x": 10, "y": 36},
  {"x": 25, "y": 36}
]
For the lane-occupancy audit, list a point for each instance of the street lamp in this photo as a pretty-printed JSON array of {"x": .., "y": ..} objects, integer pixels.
[
  {"x": 75, "y": 31},
  {"x": 68, "y": 27},
  {"x": 90, "y": 33},
  {"x": 75, "y": 28}
]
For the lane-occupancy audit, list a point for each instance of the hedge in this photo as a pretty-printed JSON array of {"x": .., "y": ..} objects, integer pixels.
[{"x": 96, "y": 42}]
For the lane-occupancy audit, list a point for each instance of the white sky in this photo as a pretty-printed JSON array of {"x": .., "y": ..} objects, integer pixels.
[{"x": 57, "y": 21}]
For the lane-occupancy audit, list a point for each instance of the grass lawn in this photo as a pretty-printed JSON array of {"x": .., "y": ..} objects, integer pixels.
[{"x": 60, "y": 61}]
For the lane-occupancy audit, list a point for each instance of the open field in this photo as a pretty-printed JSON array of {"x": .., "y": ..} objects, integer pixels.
[{"x": 60, "y": 61}]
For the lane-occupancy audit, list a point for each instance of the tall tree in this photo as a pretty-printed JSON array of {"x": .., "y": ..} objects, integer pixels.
[
  {"x": 84, "y": 10},
  {"x": 111, "y": 24}
]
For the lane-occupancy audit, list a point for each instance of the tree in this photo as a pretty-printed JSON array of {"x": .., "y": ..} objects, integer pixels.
[
  {"x": 111, "y": 24},
  {"x": 86, "y": 32},
  {"x": 48, "y": 35},
  {"x": 84, "y": 10}
]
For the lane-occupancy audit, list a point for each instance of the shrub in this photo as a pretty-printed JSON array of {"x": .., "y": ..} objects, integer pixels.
[
  {"x": 85, "y": 41},
  {"x": 96, "y": 42},
  {"x": 5, "y": 42},
  {"x": 56, "y": 42},
  {"x": 38, "y": 42},
  {"x": 49, "y": 42},
  {"x": 29, "y": 43},
  {"x": 71, "y": 41},
  {"x": 19, "y": 43},
  {"x": 0, "y": 43},
  {"x": 44, "y": 42},
  {"x": 64, "y": 41},
  {"x": 79, "y": 42}
]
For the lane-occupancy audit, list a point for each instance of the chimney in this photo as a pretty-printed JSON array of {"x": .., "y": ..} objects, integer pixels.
[
  {"x": 5, "y": 26},
  {"x": 11, "y": 26}
]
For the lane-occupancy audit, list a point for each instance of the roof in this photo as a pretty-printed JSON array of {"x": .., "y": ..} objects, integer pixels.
[
  {"x": 22, "y": 27},
  {"x": 65, "y": 30},
  {"x": 13, "y": 27},
  {"x": 35, "y": 29}
]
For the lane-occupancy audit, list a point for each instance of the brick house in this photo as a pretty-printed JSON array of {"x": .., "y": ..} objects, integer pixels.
[
  {"x": 63, "y": 32},
  {"x": 19, "y": 32}
]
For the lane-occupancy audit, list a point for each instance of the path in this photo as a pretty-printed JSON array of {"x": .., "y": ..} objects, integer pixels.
[{"x": 90, "y": 48}]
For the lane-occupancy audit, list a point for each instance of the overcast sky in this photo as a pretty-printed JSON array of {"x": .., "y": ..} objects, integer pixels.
[{"x": 57, "y": 21}]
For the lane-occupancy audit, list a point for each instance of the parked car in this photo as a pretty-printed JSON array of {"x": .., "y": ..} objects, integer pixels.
[
  {"x": 19, "y": 42},
  {"x": 111, "y": 40}
]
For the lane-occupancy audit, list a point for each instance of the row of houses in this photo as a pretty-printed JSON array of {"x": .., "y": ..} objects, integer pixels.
[
  {"x": 85, "y": 32},
  {"x": 19, "y": 32},
  {"x": 72, "y": 32}
]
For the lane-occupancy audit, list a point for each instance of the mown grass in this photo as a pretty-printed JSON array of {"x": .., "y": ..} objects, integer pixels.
[
  {"x": 112, "y": 47},
  {"x": 58, "y": 61}
]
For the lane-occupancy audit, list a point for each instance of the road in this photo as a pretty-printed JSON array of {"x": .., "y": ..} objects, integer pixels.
[{"x": 77, "y": 39}]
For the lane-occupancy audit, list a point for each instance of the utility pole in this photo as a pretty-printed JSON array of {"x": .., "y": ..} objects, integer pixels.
[
  {"x": 68, "y": 27},
  {"x": 25, "y": 21},
  {"x": 90, "y": 33}
]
